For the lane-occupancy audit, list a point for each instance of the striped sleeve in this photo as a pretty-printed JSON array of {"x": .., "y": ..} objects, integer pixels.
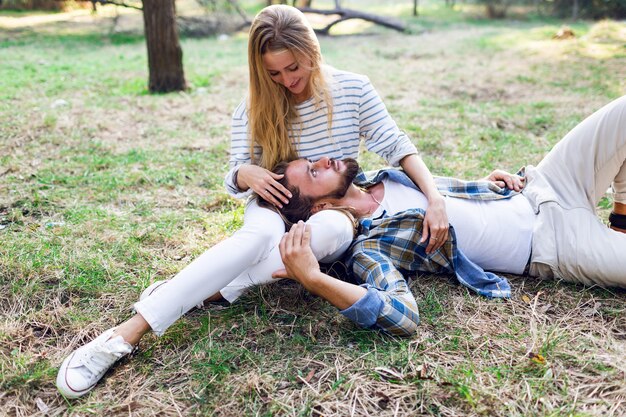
[
  {"x": 380, "y": 132},
  {"x": 239, "y": 150}
]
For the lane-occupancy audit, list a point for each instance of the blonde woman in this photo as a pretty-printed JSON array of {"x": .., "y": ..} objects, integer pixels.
[{"x": 296, "y": 107}]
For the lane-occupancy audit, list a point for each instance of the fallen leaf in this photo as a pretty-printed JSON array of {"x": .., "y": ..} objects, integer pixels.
[
  {"x": 564, "y": 33},
  {"x": 41, "y": 405},
  {"x": 283, "y": 385},
  {"x": 537, "y": 358},
  {"x": 591, "y": 311},
  {"x": 310, "y": 375},
  {"x": 526, "y": 299},
  {"x": 387, "y": 373},
  {"x": 422, "y": 372},
  {"x": 548, "y": 374},
  {"x": 545, "y": 308}
]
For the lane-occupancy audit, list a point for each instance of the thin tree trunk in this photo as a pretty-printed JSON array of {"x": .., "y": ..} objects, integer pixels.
[
  {"x": 165, "y": 56},
  {"x": 575, "y": 10},
  {"x": 415, "y": 2}
]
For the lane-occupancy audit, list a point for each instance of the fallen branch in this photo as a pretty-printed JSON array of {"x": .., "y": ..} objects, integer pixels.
[
  {"x": 113, "y": 2},
  {"x": 346, "y": 14},
  {"x": 240, "y": 11}
]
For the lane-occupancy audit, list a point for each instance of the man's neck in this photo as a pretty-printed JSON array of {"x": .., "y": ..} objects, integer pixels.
[{"x": 365, "y": 202}]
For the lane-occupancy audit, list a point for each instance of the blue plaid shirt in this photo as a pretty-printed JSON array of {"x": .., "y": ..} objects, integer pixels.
[{"x": 389, "y": 243}]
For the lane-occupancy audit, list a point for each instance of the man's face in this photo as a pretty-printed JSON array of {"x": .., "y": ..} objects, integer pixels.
[{"x": 326, "y": 178}]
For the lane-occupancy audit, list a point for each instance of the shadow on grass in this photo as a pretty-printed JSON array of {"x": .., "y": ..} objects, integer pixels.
[{"x": 24, "y": 37}]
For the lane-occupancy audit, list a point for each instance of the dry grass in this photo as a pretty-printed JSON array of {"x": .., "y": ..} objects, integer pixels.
[{"x": 117, "y": 188}]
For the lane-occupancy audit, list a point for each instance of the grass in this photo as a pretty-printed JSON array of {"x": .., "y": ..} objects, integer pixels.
[{"x": 105, "y": 188}]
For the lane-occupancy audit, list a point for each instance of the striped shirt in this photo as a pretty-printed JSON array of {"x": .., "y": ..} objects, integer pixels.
[{"x": 358, "y": 113}]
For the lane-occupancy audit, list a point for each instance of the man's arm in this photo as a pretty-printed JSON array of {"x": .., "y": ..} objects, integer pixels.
[
  {"x": 387, "y": 304},
  {"x": 301, "y": 266}
]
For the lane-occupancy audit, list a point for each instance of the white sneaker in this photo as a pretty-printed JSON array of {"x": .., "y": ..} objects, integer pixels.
[
  {"x": 156, "y": 286},
  {"x": 80, "y": 371}
]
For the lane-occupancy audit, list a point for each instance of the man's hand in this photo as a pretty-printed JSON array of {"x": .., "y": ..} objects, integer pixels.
[
  {"x": 296, "y": 253},
  {"x": 504, "y": 179},
  {"x": 301, "y": 266},
  {"x": 435, "y": 224}
]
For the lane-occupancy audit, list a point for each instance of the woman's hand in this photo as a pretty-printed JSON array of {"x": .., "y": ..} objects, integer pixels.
[
  {"x": 435, "y": 224},
  {"x": 504, "y": 179},
  {"x": 264, "y": 183},
  {"x": 436, "y": 220}
]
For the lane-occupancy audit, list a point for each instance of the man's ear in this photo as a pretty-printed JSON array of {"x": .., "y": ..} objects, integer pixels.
[{"x": 322, "y": 205}]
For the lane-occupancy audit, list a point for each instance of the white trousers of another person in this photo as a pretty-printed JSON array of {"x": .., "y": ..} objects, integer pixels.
[
  {"x": 252, "y": 253},
  {"x": 569, "y": 241}
]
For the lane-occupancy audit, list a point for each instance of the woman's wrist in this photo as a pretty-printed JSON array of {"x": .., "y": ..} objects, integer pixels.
[
  {"x": 239, "y": 179},
  {"x": 435, "y": 198}
]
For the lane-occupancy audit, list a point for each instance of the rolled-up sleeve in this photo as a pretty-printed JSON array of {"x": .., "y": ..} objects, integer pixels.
[
  {"x": 388, "y": 295},
  {"x": 366, "y": 310}
]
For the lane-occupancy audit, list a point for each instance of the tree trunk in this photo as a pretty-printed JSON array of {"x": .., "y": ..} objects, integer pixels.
[
  {"x": 165, "y": 56},
  {"x": 575, "y": 10},
  {"x": 415, "y": 7}
]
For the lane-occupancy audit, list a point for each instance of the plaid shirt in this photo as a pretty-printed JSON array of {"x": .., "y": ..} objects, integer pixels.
[{"x": 388, "y": 244}]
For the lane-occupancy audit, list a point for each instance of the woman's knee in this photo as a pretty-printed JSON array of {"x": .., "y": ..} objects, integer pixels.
[
  {"x": 261, "y": 234},
  {"x": 332, "y": 232},
  {"x": 261, "y": 225}
]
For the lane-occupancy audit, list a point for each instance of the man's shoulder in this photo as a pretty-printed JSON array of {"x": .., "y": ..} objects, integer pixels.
[{"x": 369, "y": 178}]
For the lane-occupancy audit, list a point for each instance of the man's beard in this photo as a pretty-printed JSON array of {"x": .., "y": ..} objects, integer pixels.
[{"x": 347, "y": 176}]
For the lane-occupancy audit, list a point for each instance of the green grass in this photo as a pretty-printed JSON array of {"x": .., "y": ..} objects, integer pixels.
[{"x": 105, "y": 188}]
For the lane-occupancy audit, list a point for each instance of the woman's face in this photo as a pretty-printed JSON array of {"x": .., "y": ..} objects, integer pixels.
[{"x": 284, "y": 69}]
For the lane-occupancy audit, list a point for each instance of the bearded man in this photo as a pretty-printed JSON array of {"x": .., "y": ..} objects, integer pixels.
[{"x": 542, "y": 223}]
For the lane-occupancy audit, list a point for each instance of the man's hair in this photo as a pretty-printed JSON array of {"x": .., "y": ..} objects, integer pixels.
[{"x": 299, "y": 206}]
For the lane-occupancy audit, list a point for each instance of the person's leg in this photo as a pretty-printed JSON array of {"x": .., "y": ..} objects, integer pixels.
[
  {"x": 572, "y": 243},
  {"x": 331, "y": 234},
  {"x": 82, "y": 369},
  {"x": 589, "y": 252},
  {"x": 589, "y": 159},
  {"x": 214, "y": 269},
  {"x": 133, "y": 329}
]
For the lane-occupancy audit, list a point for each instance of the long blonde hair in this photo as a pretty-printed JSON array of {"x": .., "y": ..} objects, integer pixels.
[{"x": 271, "y": 107}]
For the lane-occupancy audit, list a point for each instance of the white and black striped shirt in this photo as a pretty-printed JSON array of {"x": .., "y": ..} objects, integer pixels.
[{"x": 358, "y": 112}]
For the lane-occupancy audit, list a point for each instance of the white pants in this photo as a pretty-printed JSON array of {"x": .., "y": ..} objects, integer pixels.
[
  {"x": 569, "y": 241},
  {"x": 248, "y": 257}
]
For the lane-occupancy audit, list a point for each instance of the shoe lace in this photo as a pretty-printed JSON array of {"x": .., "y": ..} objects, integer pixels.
[{"x": 99, "y": 358}]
